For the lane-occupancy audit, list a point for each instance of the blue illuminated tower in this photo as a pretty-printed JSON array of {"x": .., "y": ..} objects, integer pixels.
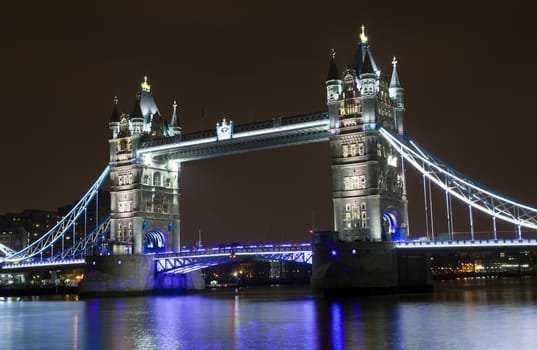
[{"x": 367, "y": 175}]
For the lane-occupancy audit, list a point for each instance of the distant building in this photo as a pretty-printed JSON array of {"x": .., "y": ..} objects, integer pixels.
[{"x": 18, "y": 230}]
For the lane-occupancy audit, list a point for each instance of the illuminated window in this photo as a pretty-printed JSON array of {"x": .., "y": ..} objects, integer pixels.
[
  {"x": 355, "y": 182},
  {"x": 353, "y": 150},
  {"x": 362, "y": 182},
  {"x": 347, "y": 183},
  {"x": 351, "y": 108},
  {"x": 361, "y": 149},
  {"x": 348, "y": 220},
  {"x": 348, "y": 207},
  {"x": 355, "y": 213},
  {"x": 364, "y": 219},
  {"x": 379, "y": 149},
  {"x": 345, "y": 150}
]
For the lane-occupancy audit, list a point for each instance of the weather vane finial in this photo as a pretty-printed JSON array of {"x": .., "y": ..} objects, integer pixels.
[
  {"x": 145, "y": 85},
  {"x": 394, "y": 62},
  {"x": 333, "y": 53},
  {"x": 363, "y": 37}
]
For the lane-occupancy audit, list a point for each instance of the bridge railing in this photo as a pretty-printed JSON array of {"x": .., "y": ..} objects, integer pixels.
[
  {"x": 239, "y": 249},
  {"x": 87, "y": 243},
  {"x": 466, "y": 243},
  {"x": 57, "y": 232},
  {"x": 469, "y": 191},
  {"x": 189, "y": 260}
]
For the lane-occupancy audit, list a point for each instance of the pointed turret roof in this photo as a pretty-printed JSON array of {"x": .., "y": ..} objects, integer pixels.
[
  {"x": 332, "y": 69},
  {"x": 358, "y": 59},
  {"x": 363, "y": 54},
  {"x": 367, "y": 67},
  {"x": 114, "y": 118},
  {"x": 136, "y": 110},
  {"x": 395, "y": 83},
  {"x": 175, "y": 120}
]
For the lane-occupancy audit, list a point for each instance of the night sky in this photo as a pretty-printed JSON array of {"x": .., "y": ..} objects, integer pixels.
[{"x": 469, "y": 74}]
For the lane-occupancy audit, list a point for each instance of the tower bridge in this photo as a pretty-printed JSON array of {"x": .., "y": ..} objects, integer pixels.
[{"x": 368, "y": 247}]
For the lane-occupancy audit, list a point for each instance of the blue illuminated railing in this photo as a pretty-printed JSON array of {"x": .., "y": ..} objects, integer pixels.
[
  {"x": 190, "y": 260},
  {"x": 502, "y": 243},
  {"x": 44, "y": 263}
]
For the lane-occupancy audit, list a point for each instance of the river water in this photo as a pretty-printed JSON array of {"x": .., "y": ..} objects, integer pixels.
[{"x": 459, "y": 314}]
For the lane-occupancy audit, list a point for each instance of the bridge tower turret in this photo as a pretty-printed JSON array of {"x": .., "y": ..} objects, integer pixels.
[
  {"x": 174, "y": 129},
  {"x": 333, "y": 90},
  {"x": 113, "y": 124},
  {"x": 367, "y": 175},
  {"x": 397, "y": 94},
  {"x": 137, "y": 118}
]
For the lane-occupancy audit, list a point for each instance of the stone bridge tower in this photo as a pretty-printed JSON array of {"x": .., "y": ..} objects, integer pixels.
[
  {"x": 368, "y": 181},
  {"x": 144, "y": 191}
]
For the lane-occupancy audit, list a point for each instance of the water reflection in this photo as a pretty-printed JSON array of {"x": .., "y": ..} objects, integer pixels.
[{"x": 460, "y": 314}]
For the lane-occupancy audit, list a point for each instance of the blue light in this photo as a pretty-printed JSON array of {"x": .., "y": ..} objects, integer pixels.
[
  {"x": 354, "y": 251},
  {"x": 334, "y": 252},
  {"x": 119, "y": 262}
]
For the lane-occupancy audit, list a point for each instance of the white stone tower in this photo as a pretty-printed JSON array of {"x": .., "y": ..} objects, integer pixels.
[
  {"x": 144, "y": 191},
  {"x": 367, "y": 175}
]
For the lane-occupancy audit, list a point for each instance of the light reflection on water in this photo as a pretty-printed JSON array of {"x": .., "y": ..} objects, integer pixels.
[{"x": 473, "y": 314}]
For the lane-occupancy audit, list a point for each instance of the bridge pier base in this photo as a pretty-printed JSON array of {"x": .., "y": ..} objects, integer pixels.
[
  {"x": 167, "y": 283},
  {"x": 365, "y": 267},
  {"x": 132, "y": 274},
  {"x": 414, "y": 272}
]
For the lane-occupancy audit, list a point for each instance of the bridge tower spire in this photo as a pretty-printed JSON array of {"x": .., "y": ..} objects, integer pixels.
[
  {"x": 333, "y": 88},
  {"x": 175, "y": 126},
  {"x": 397, "y": 96},
  {"x": 114, "y": 122},
  {"x": 367, "y": 176}
]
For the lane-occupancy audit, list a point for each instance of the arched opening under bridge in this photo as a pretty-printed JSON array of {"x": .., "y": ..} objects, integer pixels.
[
  {"x": 391, "y": 223},
  {"x": 154, "y": 242}
]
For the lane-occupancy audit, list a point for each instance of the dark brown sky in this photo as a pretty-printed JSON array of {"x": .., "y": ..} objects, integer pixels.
[{"x": 468, "y": 72}]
